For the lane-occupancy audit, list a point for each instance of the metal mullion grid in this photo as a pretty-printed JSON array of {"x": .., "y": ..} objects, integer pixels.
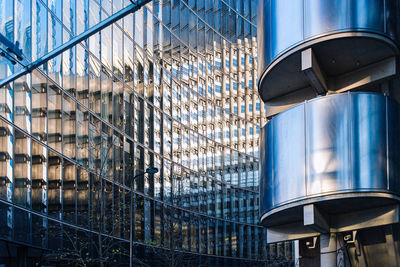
[
  {"x": 46, "y": 211},
  {"x": 124, "y": 182},
  {"x": 103, "y": 122},
  {"x": 101, "y": 10},
  {"x": 171, "y": 74},
  {"x": 29, "y": 193},
  {"x": 117, "y": 130},
  {"x": 177, "y": 37},
  {"x": 76, "y": 158},
  {"x": 145, "y": 197},
  {"x": 111, "y": 150},
  {"x": 12, "y": 178},
  {"x": 77, "y": 227},
  {"x": 200, "y": 134},
  {"x": 238, "y": 13},
  {"x": 30, "y": 131},
  {"x": 62, "y": 150},
  {"x": 86, "y": 109}
]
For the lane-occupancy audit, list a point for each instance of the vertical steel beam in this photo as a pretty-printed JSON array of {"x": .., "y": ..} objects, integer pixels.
[
  {"x": 313, "y": 71},
  {"x": 328, "y": 250}
]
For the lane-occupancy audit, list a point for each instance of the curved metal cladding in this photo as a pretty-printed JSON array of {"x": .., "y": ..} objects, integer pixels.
[
  {"x": 285, "y": 25},
  {"x": 344, "y": 143}
]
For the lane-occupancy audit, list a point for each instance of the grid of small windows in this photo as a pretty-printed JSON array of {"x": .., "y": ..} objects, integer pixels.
[{"x": 171, "y": 86}]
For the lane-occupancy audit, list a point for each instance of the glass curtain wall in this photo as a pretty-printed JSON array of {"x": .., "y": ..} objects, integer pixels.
[{"x": 171, "y": 86}]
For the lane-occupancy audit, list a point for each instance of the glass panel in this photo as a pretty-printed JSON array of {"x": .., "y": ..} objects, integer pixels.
[
  {"x": 128, "y": 60},
  {"x": 94, "y": 86},
  {"x": 6, "y": 102},
  {"x": 177, "y": 185},
  {"x": 139, "y": 218},
  {"x": 138, "y": 71},
  {"x": 22, "y": 103},
  {"x": 220, "y": 238},
  {"x": 118, "y": 52},
  {"x": 106, "y": 95},
  {"x": 139, "y": 168},
  {"x": 54, "y": 116},
  {"x": 194, "y": 192},
  {"x": 39, "y": 29},
  {"x": 157, "y": 177},
  {"x": 129, "y": 162},
  {"x": 94, "y": 143},
  {"x": 54, "y": 185},
  {"x": 211, "y": 237},
  {"x": 138, "y": 119},
  {"x": 167, "y": 136},
  {"x": 118, "y": 158},
  {"x": 117, "y": 211},
  {"x": 22, "y": 170},
  {"x": 107, "y": 198},
  {"x": 194, "y": 228},
  {"x": 158, "y": 223},
  {"x": 55, "y": 40},
  {"x": 69, "y": 127},
  {"x": 185, "y": 231},
  {"x": 68, "y": 193},
  {"x": 82, "y": 144},
  {"x": 106, "y": 47},
  {"x": 106, "y": 151},
  {"x": 118, "y": 105},
  {"x": 6, "y": 161},
  {"x": 126, "y": 209},
  {"x": 39, "y": 176},
  {"x": 128, "y": 108},
  {"x": 82, "y": 191},
  {"x": 167, "y": 181},
  {"x": 203, "y": 235},
  {"x": 82, "y": 78},
  {"x": 23, "y": 26},
  {"x": 95, "y": 202}
]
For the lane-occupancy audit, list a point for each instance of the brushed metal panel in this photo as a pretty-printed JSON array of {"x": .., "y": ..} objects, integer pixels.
[
  {"x": 266, "y": 178},
  {"x": 263, "y": 22},
  {"x": 288, "y": 155},
  {"x": 286, "y": 26},
  {"x": 333, "y": 144},
  {"x": 367, "y": 14},
  {"x": 328, "y": 154},
  {"x": 266, "y": 167},
  {"x": 324, "y": 16},
  {"x": 368, "y": 140}
]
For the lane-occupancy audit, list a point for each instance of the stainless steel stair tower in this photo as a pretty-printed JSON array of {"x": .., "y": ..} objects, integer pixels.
[{"x": 330, "y": 151}]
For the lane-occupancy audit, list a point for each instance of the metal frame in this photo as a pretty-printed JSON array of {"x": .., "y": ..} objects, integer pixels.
[{"x": 76, "y": 40}]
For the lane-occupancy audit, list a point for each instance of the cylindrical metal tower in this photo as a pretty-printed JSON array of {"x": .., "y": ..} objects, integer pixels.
[{"x": 330, "y": 151}]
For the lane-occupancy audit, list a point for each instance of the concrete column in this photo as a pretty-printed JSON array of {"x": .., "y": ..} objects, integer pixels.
[
  {"x": 328, "y": 250},
  {"x": 296, "y": 253}
]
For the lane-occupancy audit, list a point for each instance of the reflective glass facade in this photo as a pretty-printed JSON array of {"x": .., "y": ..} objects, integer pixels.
[{"x": 171, "y": 86}]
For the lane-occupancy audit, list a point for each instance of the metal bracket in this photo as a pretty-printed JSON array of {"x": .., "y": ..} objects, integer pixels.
[
  {"x": 313, "y": 243},
  {"x": 312, "y": 70},
  {"x": 314, "y": 219},
  {"x": 350, "y": 238}
]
